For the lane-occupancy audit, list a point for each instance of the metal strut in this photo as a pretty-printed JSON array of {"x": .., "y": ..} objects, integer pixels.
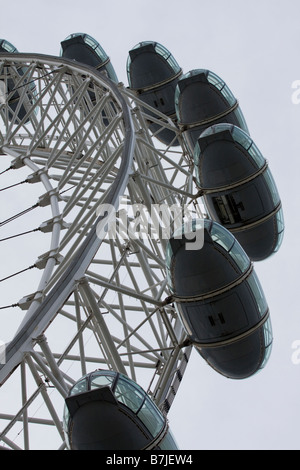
[
  {"x": 50, "y": 305},
  {"x": 88, "y": 153}
]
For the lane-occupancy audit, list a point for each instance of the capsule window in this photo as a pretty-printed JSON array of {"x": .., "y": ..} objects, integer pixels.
[
  {"x": 151, "y": 417},
  {"x": 268, "y": 335},
  {"x": 241, "y": 120},
  {"x": 268, "y": 338},
  {"x": 129, "y": 394},
  {"x": 222, "y": 87},
  {"x": 162, "y": 51},
  {"x": 258, "y": 293},
  {"x": 245, "y": 141},
  {"x": 8, "y": 46},
  {"x": 240, "y": 257},
  {"x": 280, "y": 226},
  {"x": 168, "y": 442},
  {"x": 166, "y": 54},
  {"x": 229, "y": 212},
  {"x": 134, "y": 397},
  {"x": 272, "y": 187},
  {"x": 222, "y": 237},
  {"x": 80, "y": 387},
  {"x": 101, "y": 381},
  {"x": 280, "y": 221}
]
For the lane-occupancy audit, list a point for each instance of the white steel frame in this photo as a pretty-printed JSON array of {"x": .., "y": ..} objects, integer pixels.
[{"x": 100, "y": 302}]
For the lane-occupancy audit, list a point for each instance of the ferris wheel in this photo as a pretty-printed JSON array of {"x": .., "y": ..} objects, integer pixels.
[
  {"x": 79, "y": 156},
  {"x": 131, "y": 221}
]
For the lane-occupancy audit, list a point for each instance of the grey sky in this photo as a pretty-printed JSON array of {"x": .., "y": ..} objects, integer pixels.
[{"x": 254, "y": 47}]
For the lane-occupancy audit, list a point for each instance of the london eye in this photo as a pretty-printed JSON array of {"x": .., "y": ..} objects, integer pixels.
[{"x": 96, "y": 179}]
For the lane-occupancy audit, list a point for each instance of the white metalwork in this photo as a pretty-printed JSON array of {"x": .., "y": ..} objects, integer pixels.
[{"x": 100, "y": 301}]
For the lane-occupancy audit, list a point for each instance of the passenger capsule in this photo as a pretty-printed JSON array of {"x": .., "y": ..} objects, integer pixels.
[
  {"x": 153, "y": 73},
  {"x": 203, "y": 99},
  {"x": 106, "y": 410},
  {"x": 239, "y": 190},
  {"x": 8, "y": 86},
  {"x": 220, "y": 300},
  {"x": 83, "y": 48}
]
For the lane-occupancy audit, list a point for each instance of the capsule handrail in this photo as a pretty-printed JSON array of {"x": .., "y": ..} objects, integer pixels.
[
  {"x": 187, "y": 125},
  {"x": 237, "y": 338},
  {"x": 228, "y": 287},
  {"x": 257, "y": 222},
  {"x": 157, "y": 84},
  {"x": 102, "y": 64},
  {"x": 237, "y": 183}
]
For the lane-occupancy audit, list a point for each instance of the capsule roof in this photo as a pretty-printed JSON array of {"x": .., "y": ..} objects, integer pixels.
[
  {"x": 100, "y": 419},
  {"x": 115, "y": 381},
  {"x": 150, "y": 63},
  {"x": 93, "y": 54},
  {"x": 90, "y": 41},
  {"x": 6, "y": 46}
]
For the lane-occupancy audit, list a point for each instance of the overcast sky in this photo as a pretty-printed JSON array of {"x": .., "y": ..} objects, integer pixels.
[{"x": 255, "y": 48}]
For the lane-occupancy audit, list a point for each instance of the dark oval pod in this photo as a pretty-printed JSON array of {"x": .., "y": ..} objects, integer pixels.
[
  {"x": 153, "y": 73},
  {"x": 84, "y": 48},
  {"x": 202, "y": 98},
  {"x": 239, "y": 190},
  {"x": 105, "y": 410}
]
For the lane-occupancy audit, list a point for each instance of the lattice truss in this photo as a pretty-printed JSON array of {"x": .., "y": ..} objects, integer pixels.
[{"x": 71, "y": 141}]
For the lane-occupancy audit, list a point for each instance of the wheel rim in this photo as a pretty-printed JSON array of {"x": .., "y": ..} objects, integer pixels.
[{"x": 107, "y": 295}]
